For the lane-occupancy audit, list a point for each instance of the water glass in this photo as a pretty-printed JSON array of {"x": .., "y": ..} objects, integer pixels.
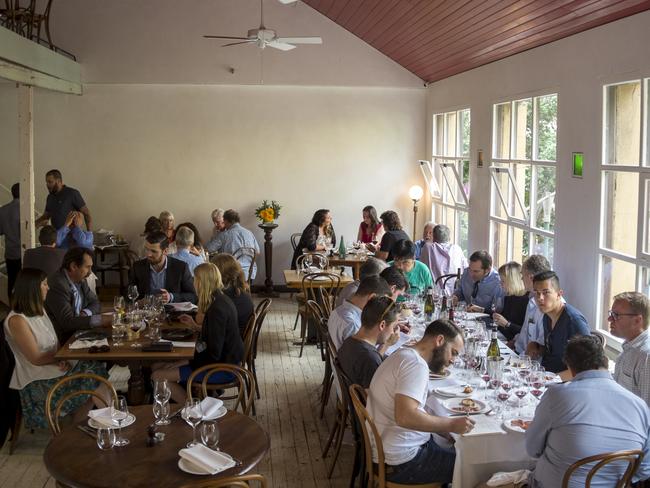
[
  {"x": 161, "y": 391},
  {"x": 210, "y": 434},
  {"x": 119, "y": 413},
  {"x": 105, "y": 438},
  {"x": 118, "y": 329},
  {"x": 161, "y": 412}
]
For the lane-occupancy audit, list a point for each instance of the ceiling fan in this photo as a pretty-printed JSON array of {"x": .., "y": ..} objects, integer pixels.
[{"x": 263, "y": 37}]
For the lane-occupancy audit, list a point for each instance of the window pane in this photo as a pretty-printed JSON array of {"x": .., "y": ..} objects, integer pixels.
[
  {"x": 450, "y": 128},
  {"x": 617, "y": 276},
  {"x": 437, "y": 213},
  {"x": 464, "y": 176},
  {"x": 439, "y": 134},
  {"x": 545, "y": 198},
  {"x": 543, "y": 245},
  {"x": 523, "y": 135},
  {"x": 501, "y": 149},
  {"x": 520, "y": 244},
  {"x": 521, "y": 175},
  {"x": 546, "y": 128},
  {"x": 623, "y": 123},
  {"x": 645, "y": 281},
  {"x": 463, "y": 230},
  {"x": 499, "y": 241},
  {"x": 620, "y": 204},
  {"x": 500, "y": 180},
  {"x": 464, "y": 131},
  {"x": 646, "y": 218}
]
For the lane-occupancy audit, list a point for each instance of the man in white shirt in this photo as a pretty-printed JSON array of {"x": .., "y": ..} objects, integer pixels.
[
  {"x": 345, "y": 320},
  {"x": 396, "y": 399},
  {"x": 628, "y": 319}
]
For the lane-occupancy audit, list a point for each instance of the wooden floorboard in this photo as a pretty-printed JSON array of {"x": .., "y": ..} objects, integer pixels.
[{"x": 288, "y": 410}]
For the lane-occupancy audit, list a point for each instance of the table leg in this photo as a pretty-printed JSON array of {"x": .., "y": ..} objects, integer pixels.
[{"x": 136, "y": 392}]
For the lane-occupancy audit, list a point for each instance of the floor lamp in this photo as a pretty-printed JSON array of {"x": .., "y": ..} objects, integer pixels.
[{"x": 415, "y": 193}]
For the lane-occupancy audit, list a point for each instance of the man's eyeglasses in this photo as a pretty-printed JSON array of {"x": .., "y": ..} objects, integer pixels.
[{"x": 617, "y": 315}]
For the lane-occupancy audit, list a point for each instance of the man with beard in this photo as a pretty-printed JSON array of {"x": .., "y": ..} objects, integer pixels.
[
  {"x": 361, "y": 354},
  {"x": 61, "y": 201},
  {"x": 396, "y": 399},
  {"x": 159, "y": 274}
]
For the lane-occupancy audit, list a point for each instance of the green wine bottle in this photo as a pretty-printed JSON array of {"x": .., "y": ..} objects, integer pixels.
[
  {"x": 493, "y": 349},
  {"x": 342, "y": 250},
  {"x": 429, "y": 305}
]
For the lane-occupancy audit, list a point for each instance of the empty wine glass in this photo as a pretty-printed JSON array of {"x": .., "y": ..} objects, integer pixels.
[
  {"x": 161, "y": 412},
  {"x": 105, "y": 438},
  {"x": 210, "y": 434},
  {"x": 162, "y": 391},
  {"x": 193, "y": 415},
  {"x": 132, "y": 293},
  {"x": 119, "y": 413},
  {"x": 118, "y": 329}
]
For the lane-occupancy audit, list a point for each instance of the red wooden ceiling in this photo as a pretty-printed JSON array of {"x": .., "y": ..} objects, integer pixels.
[{"x": 435, "y": 39}]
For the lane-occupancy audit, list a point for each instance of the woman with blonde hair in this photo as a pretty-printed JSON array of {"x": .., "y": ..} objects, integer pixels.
[
  {"x": 219, "y": 340},
  {"x": 167, "y": 222},
  {"x": 236, "y": 287},
  {"x": 511, "y": 317}
]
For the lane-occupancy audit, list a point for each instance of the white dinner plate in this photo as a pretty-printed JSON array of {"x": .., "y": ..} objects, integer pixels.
[
  {"x": 476, "y": 315},
  {"x": 551, "y": 378},
  {"x": 454, "y": 391},
  {"x": 220, "y": 413},
  {"x": 436, "y": 376},
  {"x": 191, "y": 468},
  {"x": 454, "y": 406},
  {"x": 507, "y": 424},
  {"x": 97, "y": 425}
]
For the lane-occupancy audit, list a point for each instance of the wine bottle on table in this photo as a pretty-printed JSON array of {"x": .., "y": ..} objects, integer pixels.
[
  {"x": 342, "y": 250},
  {"x": 429, "y": 305},
  {"x": 493, "y": 349}
]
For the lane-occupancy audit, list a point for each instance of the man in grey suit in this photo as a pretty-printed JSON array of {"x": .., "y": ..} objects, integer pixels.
[
  {"x": 47, "y": 257},
  {"x": 70, "y": 303}
]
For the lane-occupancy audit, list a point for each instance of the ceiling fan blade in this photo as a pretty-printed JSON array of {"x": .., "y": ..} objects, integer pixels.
[
  {"x": 282, "y": 46},
  {"x": 225, "y": 37},
  {"x": 237, "y": 43},
  {"x": 300, "y": 40}
]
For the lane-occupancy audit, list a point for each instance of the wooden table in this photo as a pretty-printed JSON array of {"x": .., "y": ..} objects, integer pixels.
[
  {"x": 293, "y": 279},
  {"x": 133, "y": 357},
  {"x": 74, "y": 459},
  {"x": 355, "y": 261}
]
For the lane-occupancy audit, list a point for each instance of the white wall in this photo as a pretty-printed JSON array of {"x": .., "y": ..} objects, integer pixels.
[{"x": 576, "y": 68}]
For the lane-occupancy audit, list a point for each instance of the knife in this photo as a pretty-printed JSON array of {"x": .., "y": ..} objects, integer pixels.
[{"x": 87, "y": 430}]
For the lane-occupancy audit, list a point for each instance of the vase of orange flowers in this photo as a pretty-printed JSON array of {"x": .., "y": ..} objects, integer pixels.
[{"x": 267, "y": 212}]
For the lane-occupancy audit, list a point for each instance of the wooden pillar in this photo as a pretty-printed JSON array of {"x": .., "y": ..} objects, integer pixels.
[
  {"x": 268, "y": 259},
  {"x": 26, "y": 159}
]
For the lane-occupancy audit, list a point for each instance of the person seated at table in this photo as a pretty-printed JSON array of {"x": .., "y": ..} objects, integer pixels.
[
  {"x": 235, "y": 287},
  {"x": 217, "y": 221},
  {"x": 197, "y": 248},
  {"x": 417, "y": 274},
  {"x": 160, "y": 274},
  {"x": 184, "y": 241},
  {"x": 561, "y": 322},
  {"x": 152, "y": 225},
  {"x": 443, "y": 257},
  {"x": 361, "y": 354},
  {"x": 219, "y": 340},
  {"x": 515, "y": 301},
  {"x": 589, "y": 415},
  {"x": 396, "y": 280},
  {"x": 317, "y": 236},
  {"x": 70, "y": 303},
  {"x": 167, "y": 223},
  {"x": 427, "y": 236},
  {"x": 345, "y": 320},
  {"x": 47, "y": 257},
  {"x": 532, "y": 328},
  {"x": 72, "y": 233},
  {"x": 372, "y": 267},
  {"x": 396, "y": 398},
  {"x": 628, "y": 319},
  {"x": 33, "y": 340},
  {"x": 233, "y": 238},
  {"x": 370, "y": 229},
  {"x": 393, "y": 234},
  {"x": 480, "y": 285}
]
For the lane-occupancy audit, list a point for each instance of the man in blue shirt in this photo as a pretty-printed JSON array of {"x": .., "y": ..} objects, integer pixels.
[
  {"x": 561, "y": 322},
  {"x": 480, "y": 285},
  {"x": 184, "y": 240},
  {"x": 233, "y": 238},
  {"x": 589, "y": 415},
  {"x": 72, "y": 233}
]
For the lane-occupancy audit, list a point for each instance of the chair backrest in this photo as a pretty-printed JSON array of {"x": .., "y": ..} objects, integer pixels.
[
  {"x": 323, "y": 288},
  {"x": 236, "y": 481},
  {"x": 633, "y": 459},
  {"x": 346, "y": 399},
  {"x": 243, "y": 382},
  {"x": 600, "y": 337},
  {"x": 53, "y": 413},
  {"x": 246, "y": 256},
  {"x": 295, "y": 239},
  {"x": 249, "y": 331},
  {"x": 312, "y": 260},
  {"x": 368, "y": 428},
  {"x": 442, "y": 280},
  {"x": 260, "y": 312},
  {"x": 318, "y": 316}
]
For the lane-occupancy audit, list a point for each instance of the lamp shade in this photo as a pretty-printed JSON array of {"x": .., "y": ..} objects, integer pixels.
[{"x": 416, "y": 192}]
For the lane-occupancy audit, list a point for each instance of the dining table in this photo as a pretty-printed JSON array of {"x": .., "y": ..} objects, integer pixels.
[
  {"x": 74, "y": 459},
  {"x": 353, "y": 259},
  {"x": 293, "y": 279}
]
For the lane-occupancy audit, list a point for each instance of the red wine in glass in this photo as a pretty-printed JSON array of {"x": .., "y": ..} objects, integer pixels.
[
  {"x": 495, "y": 384},
  {"x": 506, "y": 386},
  {"x": 503, "y": 396},
  {"x": 521, "y": 393},
  {"x": 524, "y": 372},
  {"x": 485, "y": 377},
  {"x": 536, "y": 392},
  {"x": 537, "y": 385}
]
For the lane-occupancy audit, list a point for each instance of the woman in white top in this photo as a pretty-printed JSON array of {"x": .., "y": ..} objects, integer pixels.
[{"x": 31, "y": 336}]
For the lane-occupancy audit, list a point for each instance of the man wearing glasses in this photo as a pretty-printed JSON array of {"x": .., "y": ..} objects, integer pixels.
[{"x": 628, "y": 319}]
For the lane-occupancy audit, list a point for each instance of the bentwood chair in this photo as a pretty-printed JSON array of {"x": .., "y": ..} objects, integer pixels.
[
  {"x": 53, "y": 412},
  {"x": 260, "y": 314},
  {"x": 241, "y": 481},
  {"x": 322, "y": 288},
  {"x": 308, "y": 263},
  {"x": 375, "y": 473},
  {"x": 246, "y": 256},
  {"x": 632, "y": 458},
  {"x": 295, "y": 239},
  {"x": 317, "y": 316},
  {"x": 243, "y": 382},
  {"x": 600, "y": 337}
]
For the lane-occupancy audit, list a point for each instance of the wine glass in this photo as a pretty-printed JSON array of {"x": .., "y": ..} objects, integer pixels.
[
  {"x": 118, "y": 329},
  {"x": 161, "y": 391},
  {"x": 105, "y": 438},
  {"x": 118, "y": 305},
  {"x": 193, "y": 416},
  {"x": 119, "y": 413},
  {"x": 132, "y": 293},
  {"x": 503, "y": 394},
  {"x": 520, "y": 390},
  {"x": 210, "y": 434},
  {"x": 161, "y": 413}
]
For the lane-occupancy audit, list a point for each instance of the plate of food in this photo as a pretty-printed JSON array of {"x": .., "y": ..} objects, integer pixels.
[
  {"x": 551, "y": 378},
  {"x": 464, "y": 405},
  {"x": 517, "y": 424},
  {"x": 455, "y": 391},
  {"x": 439, "y": 376}
]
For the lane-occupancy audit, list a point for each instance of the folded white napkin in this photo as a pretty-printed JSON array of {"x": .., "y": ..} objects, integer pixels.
[
  {"x": 183, "y": 306},
  {"x": 103, "y": 416},
  {"x": 210, "y": 406},
  {"x": 210, "y": 461},
  {"x": 79, "y": 344},
  {"x": 503, "y": 478}
]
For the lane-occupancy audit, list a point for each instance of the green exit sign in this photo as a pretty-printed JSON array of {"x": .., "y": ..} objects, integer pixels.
[{"x": 578, "y": 164}]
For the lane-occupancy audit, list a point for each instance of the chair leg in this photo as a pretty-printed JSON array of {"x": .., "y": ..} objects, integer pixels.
[
  {"x": 295, "y": 323},
  {"x": 325, "y": 395},
  {"x": 257, "y": 387},
  {"x": 15, "y": 431},
  {"x": 303, "y": 333},
  {"x": 339, "y": 441},
  {"x": 333, "y": 434},
  {"x": 356, "y": 466}
]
